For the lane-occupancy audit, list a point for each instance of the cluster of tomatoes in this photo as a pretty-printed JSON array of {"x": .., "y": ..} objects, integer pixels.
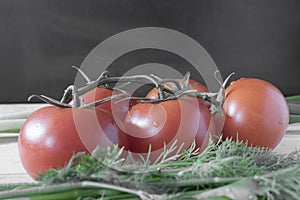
[{"x": 178, "y": 110}]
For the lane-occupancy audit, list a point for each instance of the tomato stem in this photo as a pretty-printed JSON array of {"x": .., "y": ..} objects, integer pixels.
[
  {"x": 50, "y": 101},
  {"x": 143, "y": 79},
  {"x": 193, "y": 93},
  {"x": 220, "y": 97},
  {"x": 103, "y": 80},
  {"x": 77, "y": 102},
  {"x": 96, "y": 103},
  {"x": 176, "y": 91},
  {"x": 206, "y": 96},
  {"x": 67, "y": 96},
  {"x": 166, "y": 81},
  {"x": 87, "y": 79},
  {"x": 91, "y": 85}
]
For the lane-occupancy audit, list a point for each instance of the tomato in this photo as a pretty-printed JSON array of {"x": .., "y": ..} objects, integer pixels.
[
  {"x": 51, "y": 135},
  {"x": 152, "y": 94},
  {"x": 206, "y": 128},
  {"x": 163, "y": 123},
  {"x": 119, "y": 109},
  {"x": 97, "y": 94},
  {"x": 256, "y": 111}
]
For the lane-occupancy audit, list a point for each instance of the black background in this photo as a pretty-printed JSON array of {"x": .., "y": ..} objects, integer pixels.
[{"x": 41, "y": 39}]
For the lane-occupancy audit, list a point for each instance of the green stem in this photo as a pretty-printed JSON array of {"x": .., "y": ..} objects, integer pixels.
[
  {"x": 138, "y": 193},
  {"x": 39, "y": 190},
  {"x": 11, "y": 126},
  {"x": 190, "y": 195},
  {"x": 202, "y": 182},
  {"x": 120, "y": 196},
  {"x": 72, "y": 194},
  {"x": 295, "y": 98},
  {"x": 71, "y": 190}
]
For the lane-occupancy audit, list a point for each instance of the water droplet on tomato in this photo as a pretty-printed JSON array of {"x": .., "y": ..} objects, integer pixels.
[{"x": 156, "y": 124}]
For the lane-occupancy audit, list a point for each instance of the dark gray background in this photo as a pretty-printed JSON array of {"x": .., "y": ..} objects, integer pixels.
[{"x": 41, "y": 39}]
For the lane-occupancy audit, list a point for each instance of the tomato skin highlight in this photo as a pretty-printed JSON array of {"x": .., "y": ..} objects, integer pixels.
[
  {"x": 256, "y": 111},
  {"x": 147, "y": 124},
  {"x": 161, "y": 123},
  {"x": 49, "y": 137}
]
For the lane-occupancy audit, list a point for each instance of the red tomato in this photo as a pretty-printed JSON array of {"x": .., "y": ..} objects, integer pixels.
[
  {"x": 51, "y": 135},
  {"x": 152, "y": 94},
  {"x": 256, "y": 111},
  {"x": 206, "y": 128},
  {"x": 97, "y": 94},
  {"x": 163, "y": 123},
  {"x": 119, "y": 109}
]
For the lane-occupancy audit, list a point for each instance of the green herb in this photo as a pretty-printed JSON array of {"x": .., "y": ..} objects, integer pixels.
[
  {"x": 295, "y": 98},
  {"x": 226, "y": 170},
  {"x": 294, "y": 118}
]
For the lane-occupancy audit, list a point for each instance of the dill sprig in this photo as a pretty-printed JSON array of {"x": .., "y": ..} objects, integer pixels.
[{"x": 224, "y": 170}]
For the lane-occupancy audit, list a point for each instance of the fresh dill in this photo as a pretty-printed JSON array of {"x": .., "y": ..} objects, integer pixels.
[{"x": 224, "y": 170}]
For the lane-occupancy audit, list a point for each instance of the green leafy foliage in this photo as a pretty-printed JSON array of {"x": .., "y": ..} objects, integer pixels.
[{"x": 226, "y": 170}]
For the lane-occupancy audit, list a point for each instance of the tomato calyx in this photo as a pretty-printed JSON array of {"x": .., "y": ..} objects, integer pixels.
[{"x": 220, "y": 96}]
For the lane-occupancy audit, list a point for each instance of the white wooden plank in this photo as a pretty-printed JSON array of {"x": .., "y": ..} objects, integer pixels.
[
  {"x": 289, "y": 143},
  {"x": 293, "y": 129},
  {"x": 11, "y": 170},
  {"x": 15, "y": 108},
  {"x": 15, "y": 178}
]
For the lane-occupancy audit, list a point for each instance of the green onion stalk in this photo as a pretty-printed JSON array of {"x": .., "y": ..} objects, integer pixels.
[{"x": 294, "y": 108}]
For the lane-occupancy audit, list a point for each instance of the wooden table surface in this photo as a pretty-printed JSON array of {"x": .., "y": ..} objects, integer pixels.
[{"x": 11, "y": 170}]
